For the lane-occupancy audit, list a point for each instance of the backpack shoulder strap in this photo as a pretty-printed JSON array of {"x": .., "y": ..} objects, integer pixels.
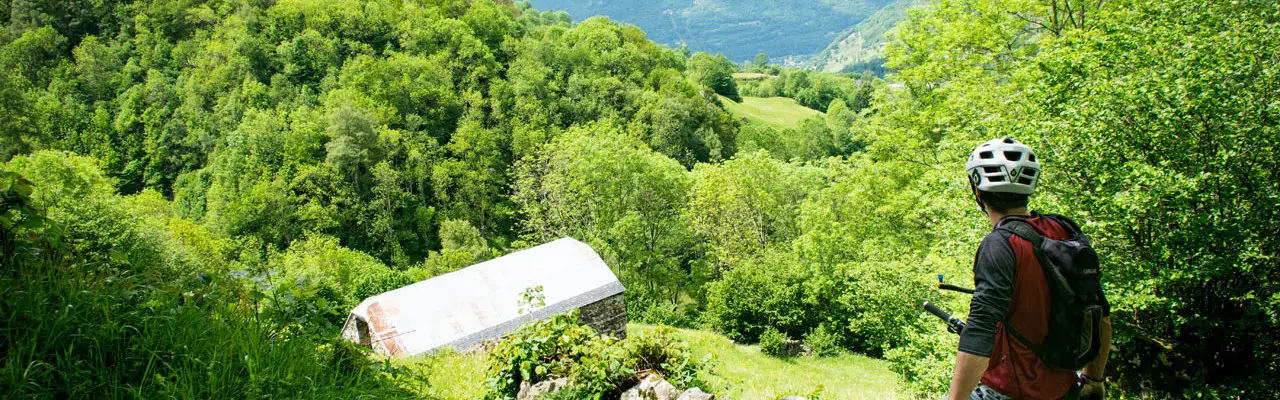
[{"x": 1018, "y": 225}]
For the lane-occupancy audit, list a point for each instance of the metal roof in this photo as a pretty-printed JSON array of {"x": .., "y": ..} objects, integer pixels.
[{"x": 481, "y": 302}]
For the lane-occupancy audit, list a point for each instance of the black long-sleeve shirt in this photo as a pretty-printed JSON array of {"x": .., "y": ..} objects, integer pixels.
[{"x": 993, "y": 274}]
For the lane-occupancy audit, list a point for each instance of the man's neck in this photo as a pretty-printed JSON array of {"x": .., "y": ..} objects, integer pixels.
[{"x": 996, "y": 216}]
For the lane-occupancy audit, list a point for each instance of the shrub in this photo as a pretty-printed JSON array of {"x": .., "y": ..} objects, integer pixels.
[
  {"x": 768, "y": 292},
  {"x": 823, "y": 341},
  {"x": 925, "y": 362},
  {"x": 556, "y": 347},
  {"x": 774, "y": 342},
  {"x": 596, "y": 366},
  {"x": 659, "y": 350}
]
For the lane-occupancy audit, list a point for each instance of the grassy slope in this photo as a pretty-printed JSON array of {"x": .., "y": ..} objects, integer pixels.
[
  {"x": 449, "y": 376},
  {"x": 742, "y": 372},
  {"x": 780, "y": 112}
]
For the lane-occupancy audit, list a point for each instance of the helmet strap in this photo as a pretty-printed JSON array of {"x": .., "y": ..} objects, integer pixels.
[{"x": 977, "y": 197}]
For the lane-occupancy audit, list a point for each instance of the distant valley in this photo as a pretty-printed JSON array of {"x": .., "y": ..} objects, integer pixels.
[{"x": 795, "y": 29}]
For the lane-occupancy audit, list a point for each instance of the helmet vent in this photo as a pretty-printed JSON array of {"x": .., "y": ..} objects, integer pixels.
[
  {"x": 991, "y": 170},
  {"x": 1024, "y": 180},
  {"x": 1010, "y": 141},
  {"x": 996, "y": 178},
  {"x": 986, "y": 155},
  {"x": 1013, "y": 155},
  {"x": 1031, "y": 157},
  {"x": 1031, "y": 173}
]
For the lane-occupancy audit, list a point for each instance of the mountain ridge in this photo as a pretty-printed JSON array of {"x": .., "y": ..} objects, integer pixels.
[
  {"x": 861, "y": 47},
  {"x": 738, "y": 29}
]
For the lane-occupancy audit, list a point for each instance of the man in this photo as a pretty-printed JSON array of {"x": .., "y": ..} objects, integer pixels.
[{"x": 1012, "y": 296}]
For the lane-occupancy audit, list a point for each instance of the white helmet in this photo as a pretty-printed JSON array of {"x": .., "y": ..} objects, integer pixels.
[{"x": 1003, "y": 166}]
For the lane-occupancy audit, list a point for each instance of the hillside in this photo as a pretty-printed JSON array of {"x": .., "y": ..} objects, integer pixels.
[
  {"x": 194, "y": 196},
  {"x": 739, "y": 29},
  {"x": 861, "y": 47}
]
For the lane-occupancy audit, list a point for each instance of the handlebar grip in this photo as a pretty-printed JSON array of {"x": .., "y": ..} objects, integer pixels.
[
  {"x": 954, "y": 288},
  {"x": 937, "y": 311}
]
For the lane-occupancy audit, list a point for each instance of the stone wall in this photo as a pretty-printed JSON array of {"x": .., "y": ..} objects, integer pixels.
[{"x": 608, "y": 316}]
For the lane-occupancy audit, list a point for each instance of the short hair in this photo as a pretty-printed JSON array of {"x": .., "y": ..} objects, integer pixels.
[{"x": 1003, "y": 202}]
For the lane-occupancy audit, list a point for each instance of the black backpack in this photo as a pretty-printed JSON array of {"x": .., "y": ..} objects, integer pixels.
[{"x": 1077, "y": 306}]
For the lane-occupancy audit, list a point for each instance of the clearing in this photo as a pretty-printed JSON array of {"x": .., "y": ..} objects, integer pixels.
[
  {"x": 752, "y": 76},
  {"x": 740, "y": 372},
  {"x": 779, "y": 112}
]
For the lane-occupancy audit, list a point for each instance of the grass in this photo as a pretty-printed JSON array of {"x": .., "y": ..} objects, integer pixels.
[
  {"x": 449, "y": 375},
  {"x": 742, "y": 372},
  {"x": 752, "y": 75},
  {"x": 739, "y": 372},
  {"x": 779, "y": 112}
]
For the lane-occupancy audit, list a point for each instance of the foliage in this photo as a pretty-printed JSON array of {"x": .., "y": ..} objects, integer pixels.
[
  {"x": 742, "y": 206},
  {"x": 1129, "y": 104},
  {"x": 594, "y": 365},
  {"x": 115, "y": 321},
  {"x": 815, "y": 90},
  {"x": 773, "y": 342},
  {"x": 927, "y": 360},
  {"x": 715, "y": 73},
  {"x": 609, "y": 191},
  {"x": 823, "y": 342}
]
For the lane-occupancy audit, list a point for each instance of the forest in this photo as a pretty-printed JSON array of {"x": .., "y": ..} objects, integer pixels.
[{"x": 193, "y": 194}]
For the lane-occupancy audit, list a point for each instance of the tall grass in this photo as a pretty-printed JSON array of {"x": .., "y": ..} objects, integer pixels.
[{"x": 79, "y": 320}]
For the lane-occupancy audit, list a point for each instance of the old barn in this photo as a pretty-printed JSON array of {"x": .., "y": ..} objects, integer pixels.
[{"x": 480, "y": 302}]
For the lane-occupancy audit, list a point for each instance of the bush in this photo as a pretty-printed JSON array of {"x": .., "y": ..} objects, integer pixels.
[
  {"x": 823, "y": 341},
  {"x": 768, "y": 292},
  {"x": 596, "y": 366},
  {"x": 926, "y": 361},
  {"x": 774, "y": 342},
  {"x": 659, "y": 350},
  {"x": 557, "y": 347}
]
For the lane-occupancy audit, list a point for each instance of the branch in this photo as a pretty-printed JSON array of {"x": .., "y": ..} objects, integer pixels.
[{"x": 1033, "y": 22}]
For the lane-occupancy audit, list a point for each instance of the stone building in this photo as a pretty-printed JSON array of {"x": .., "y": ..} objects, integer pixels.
[{"x": 466, "y": 307}]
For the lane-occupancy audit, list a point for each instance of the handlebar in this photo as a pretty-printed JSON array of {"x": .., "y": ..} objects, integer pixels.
[
  {"x": 936, "y": 311},
  {"x": 954, "y": 325},
  {"x": 948, "y": 286}
]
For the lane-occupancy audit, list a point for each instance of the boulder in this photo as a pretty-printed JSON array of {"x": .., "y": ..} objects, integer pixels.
[
  {"x": 795, "y": 348},
  {"x": 695, "y": 394},
  {"x": 651, "y": 387},
  {"x": 537, "y": 390}
]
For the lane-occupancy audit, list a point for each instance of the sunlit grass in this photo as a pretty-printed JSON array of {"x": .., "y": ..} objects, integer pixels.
[
  {"x": 739, "y": 372},
  {"x": 742, "y": 372},
  {"x": 446, "y": 375},
  {"x": 780, "y": 112}
]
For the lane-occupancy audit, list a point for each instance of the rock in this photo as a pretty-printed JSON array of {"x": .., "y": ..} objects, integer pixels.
[
  {"x": 537, "y": 390},
  {"x": 652, "y": 387},
  {"x": 795, "y": 348},
  {"x": 695, "y": 394}
]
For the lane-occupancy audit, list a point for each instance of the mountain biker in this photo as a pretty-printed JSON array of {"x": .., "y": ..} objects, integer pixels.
[{"x": 1011, "y": 290}]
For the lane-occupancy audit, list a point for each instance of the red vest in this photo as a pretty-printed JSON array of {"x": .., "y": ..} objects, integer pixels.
[{"x": 1015, "y": 371}]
